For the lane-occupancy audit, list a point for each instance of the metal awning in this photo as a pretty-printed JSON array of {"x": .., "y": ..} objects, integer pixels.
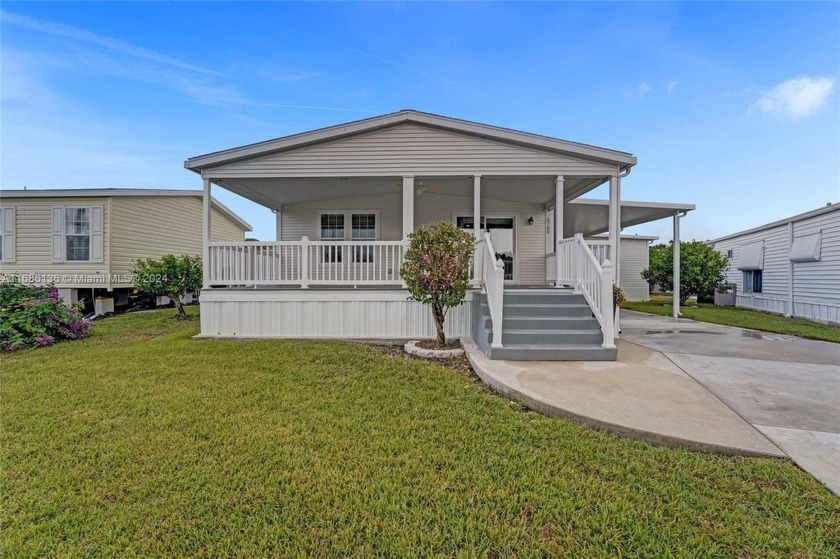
[{"x": 591, "y": 217}]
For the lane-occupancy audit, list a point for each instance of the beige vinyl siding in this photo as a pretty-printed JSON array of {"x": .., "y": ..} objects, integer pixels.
[
  {"x": 33, "y": 254},
  {"x": 410, "y": 148},
  {"x": 634, "y": 256},
  {"x": 151, "y": 226},
  {"x": 301, "y": 219}
]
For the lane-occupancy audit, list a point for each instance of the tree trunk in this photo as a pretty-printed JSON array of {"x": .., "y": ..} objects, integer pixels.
[
  {"x": 683, "y": 299},
  {"x": 179, "y": 304},
  {"x": 439, "y": 315}
]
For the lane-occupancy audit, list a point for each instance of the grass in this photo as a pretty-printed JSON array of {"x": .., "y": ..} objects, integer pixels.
[
  {"x": 743, "y": 318},
  {"x": 141, "y": 441}
]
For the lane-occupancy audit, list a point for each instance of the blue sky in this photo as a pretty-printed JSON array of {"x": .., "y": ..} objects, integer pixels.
[{"x": 733, "y": 107}]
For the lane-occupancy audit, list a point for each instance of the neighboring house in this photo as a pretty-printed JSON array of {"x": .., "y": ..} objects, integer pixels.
[
  {"x": 347, "y": 197},
  {"x": 789, "y": 267},
  {"x": 84, "y": 241}
]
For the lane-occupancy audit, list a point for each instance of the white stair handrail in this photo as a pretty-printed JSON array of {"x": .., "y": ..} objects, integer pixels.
[
  {"x": 493, "y": 283},
  {"x": 594, "y": 281}
]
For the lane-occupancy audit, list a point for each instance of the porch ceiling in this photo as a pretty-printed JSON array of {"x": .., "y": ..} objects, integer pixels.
[
  {"x": 275, "y": 192},
  {"x": 591, "y": 217}
]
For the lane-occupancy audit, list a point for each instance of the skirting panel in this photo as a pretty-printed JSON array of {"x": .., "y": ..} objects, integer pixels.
[
  {"x": 345, "y": 314},
  {"x": 818, "y": 312}
]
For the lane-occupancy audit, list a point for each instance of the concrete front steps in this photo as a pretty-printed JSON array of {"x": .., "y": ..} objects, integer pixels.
[{"x": 542, "y": 325}]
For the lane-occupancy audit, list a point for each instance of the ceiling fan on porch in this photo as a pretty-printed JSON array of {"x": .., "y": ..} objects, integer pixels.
[{"x": 421, "y": 187}]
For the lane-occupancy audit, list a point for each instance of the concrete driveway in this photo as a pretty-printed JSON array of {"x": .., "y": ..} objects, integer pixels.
[{"x": 786, "y": 387}]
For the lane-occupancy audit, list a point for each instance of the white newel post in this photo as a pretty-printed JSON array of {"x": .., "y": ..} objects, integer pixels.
[
  {"x": 304, "y": 262},
  {"x": 559, "y": 209},
  {"x": 408, "y": 206},
  {"x": 205, "y": 235},
  {"x": 607, "y": 308},
  {"x": 676, "y": 287},
  {"x": 478, "y": 254}
]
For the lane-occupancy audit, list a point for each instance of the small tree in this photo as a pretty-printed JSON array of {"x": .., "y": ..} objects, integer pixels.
[
  {"x": 173, "y": 276},
  {"x": 702, "y": 270},
  {"x": 436, "y": 269}
]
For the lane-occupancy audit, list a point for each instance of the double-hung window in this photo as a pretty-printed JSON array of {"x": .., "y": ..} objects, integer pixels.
[
  {"x": 332, "y": 229},
  {"x": 354, "y": 226},
  {"x": 363, "y": 228},
  {"x": 77, "y": 234}
]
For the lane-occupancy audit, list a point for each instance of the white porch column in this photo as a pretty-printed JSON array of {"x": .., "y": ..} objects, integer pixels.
[
  {"x": 205, "y": 237},
  {"x": 278, "y": 224},
  {"x": 676, "y": 287},
  {"x": 615, "y": 223},
  {"x": 477, "y": 229},
  {"x": 559, "y": 208},
  {"x": 408, "y": 206}
]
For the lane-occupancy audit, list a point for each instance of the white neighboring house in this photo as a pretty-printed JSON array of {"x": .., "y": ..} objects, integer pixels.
[
  {"x": 789, "y": 267},
  {"x": 347, "y": 197},
  {"x": 83, "y": 241}
]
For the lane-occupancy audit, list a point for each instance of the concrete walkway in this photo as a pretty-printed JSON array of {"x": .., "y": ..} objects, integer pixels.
[
  {"x": 786, "y": 387},
  {"x": 643, "y": 395},
  {"x": 695, "y": 385}
]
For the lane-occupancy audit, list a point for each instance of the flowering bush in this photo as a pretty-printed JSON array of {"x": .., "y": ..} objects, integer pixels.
[{"x": 32, "y": 316}]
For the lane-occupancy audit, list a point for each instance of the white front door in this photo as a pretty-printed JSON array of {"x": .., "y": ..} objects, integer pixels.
[{"x": 503, "y": 235}]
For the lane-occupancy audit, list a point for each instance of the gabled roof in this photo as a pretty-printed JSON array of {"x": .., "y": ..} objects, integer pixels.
[
  {"x": 793, "y": 219},
  {"x": 527, "y": 139},
  {"x": 107, "y": 192}
]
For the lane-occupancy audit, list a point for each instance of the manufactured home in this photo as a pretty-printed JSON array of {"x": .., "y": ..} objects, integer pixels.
[
  {"x": 347, "y": 197},
  {"x": 789, "y": 267},
  {"x": 84, "y": 241}
]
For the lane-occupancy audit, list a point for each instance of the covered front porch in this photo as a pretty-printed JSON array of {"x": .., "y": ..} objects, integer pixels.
[{"x": 347, "y": 198}]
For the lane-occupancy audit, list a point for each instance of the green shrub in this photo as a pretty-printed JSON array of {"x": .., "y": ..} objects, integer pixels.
[
  {"x": 436, "y": 269},
  {"x": 35, "y": 316},
  {"x": 173, "y": 276}
]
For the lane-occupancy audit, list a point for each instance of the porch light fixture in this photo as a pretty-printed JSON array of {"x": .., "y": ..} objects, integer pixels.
[
  {"x": 419, "y": 189},
  {"x": 531, "y": 220}
]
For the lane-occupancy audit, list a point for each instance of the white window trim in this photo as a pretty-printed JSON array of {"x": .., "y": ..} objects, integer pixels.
[
  {"x": 8, "y": 234},
  {"x": 348, "y": 224},
  {"x": 97, "y": 238}
]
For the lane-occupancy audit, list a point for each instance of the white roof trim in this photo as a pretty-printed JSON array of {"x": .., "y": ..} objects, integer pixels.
[
  {"x": 799, "y": 217},
  {"x": 109, "y": 192},
  {"x": 623, "y": 159},
  {"x": 653, "y": 205}
]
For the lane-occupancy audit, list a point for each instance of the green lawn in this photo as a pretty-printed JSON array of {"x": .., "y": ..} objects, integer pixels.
[
  {"x": 141, "y": 441},
  {"x": 744, "y": 318}
]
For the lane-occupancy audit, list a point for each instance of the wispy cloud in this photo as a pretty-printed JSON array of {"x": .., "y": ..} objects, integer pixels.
[
  {"x": 644, "y": 89},
  {"x": 795, "y": 98},
  {"x": 672, "y": 85},
  {"x": 90, "y": 37},
  {"x": 139, "y": 63}
]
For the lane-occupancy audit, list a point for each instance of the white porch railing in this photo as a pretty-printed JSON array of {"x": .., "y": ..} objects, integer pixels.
[
  {"x": 580, "y": 268},
  {"x": 601, "y": 250},
  {"x": 306, "y": 262},
  {"x": 493, "y": 284}
]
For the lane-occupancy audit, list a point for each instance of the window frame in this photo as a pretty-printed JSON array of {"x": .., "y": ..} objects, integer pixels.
[
  {"x": 89, "y": 234},
  {"x": 334, "y": 255},
  {"x": 751, "y": 278}
]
